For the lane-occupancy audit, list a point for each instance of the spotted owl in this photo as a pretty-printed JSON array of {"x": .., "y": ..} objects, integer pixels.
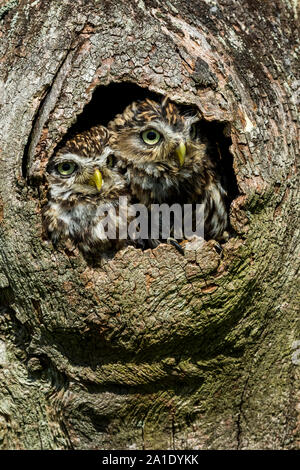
[
  {"x": 166, "y": 158},
  {"x": 84, "y": 191}
]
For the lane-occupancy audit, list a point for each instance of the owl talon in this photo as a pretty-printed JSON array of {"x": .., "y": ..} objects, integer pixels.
[
  {"x": 172, "y": 241},
  {"x": 218, "y": 248}
]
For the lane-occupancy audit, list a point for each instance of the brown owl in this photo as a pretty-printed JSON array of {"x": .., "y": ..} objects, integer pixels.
[
  {"x": 84, "y": 191},
  {"x": 166, "y": 159}
]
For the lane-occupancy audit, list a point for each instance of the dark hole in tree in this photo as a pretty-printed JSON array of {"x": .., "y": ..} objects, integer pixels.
[
  {"x": 220, "y": 142},
  {"x": 107, "y": 101}
]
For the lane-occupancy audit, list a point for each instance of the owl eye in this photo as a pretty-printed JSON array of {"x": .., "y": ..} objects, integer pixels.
[
  {"x": 151, "y": 136},
  {"x": 111, "y": 161},
  {"x": 66, "y": 168},
  {"x": 193, "y": 131}
]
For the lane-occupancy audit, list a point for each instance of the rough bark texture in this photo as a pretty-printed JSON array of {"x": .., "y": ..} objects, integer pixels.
[{"x": 153, "y": 350}]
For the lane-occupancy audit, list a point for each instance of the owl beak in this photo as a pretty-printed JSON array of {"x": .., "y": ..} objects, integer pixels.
[
  {"x": 181, "y": 152},
  {"x": 96, "y": 179}
]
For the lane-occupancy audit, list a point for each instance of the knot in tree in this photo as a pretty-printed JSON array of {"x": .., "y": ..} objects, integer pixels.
[{"x": 148, "y": 344}]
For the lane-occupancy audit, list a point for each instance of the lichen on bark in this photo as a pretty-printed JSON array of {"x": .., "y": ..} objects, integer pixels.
[{"x": 152, "y": 349}]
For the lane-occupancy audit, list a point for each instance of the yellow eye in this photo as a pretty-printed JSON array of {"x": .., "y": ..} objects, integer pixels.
[
  {"x": 193, "y": 131},
  {"x": 66, "y": 168},
  {"x": 151, "y": 136}
]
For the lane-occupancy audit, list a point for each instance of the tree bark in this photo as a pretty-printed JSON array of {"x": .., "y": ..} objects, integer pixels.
[{"x": 153, "y": 350}]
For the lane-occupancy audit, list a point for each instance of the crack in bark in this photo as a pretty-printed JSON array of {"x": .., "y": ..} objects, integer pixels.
[
  {"x": 26, "y": 154},
  {"x": 45, "y": 107}
]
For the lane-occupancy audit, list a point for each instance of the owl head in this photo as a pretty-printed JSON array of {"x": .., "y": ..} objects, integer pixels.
[
  {"x": 161, "y": 150},
  {"x": 84, "y": 183},
  {"x": 84, "y": 168},
  {"x": 149, "y": 132}
]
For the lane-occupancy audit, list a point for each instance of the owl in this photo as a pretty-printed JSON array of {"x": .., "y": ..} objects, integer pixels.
[
  {"x": 166, "y": 158},
  {"x": 84, "y": 192}
]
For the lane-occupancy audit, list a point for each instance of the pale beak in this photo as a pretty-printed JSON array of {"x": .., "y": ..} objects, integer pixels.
[
  {"x": 181, "y": 152},
  {"x": 96, "y": 179}
]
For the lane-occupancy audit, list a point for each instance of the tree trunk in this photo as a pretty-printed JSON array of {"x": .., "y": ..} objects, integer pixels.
[{"x": 152, "y": 350}]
